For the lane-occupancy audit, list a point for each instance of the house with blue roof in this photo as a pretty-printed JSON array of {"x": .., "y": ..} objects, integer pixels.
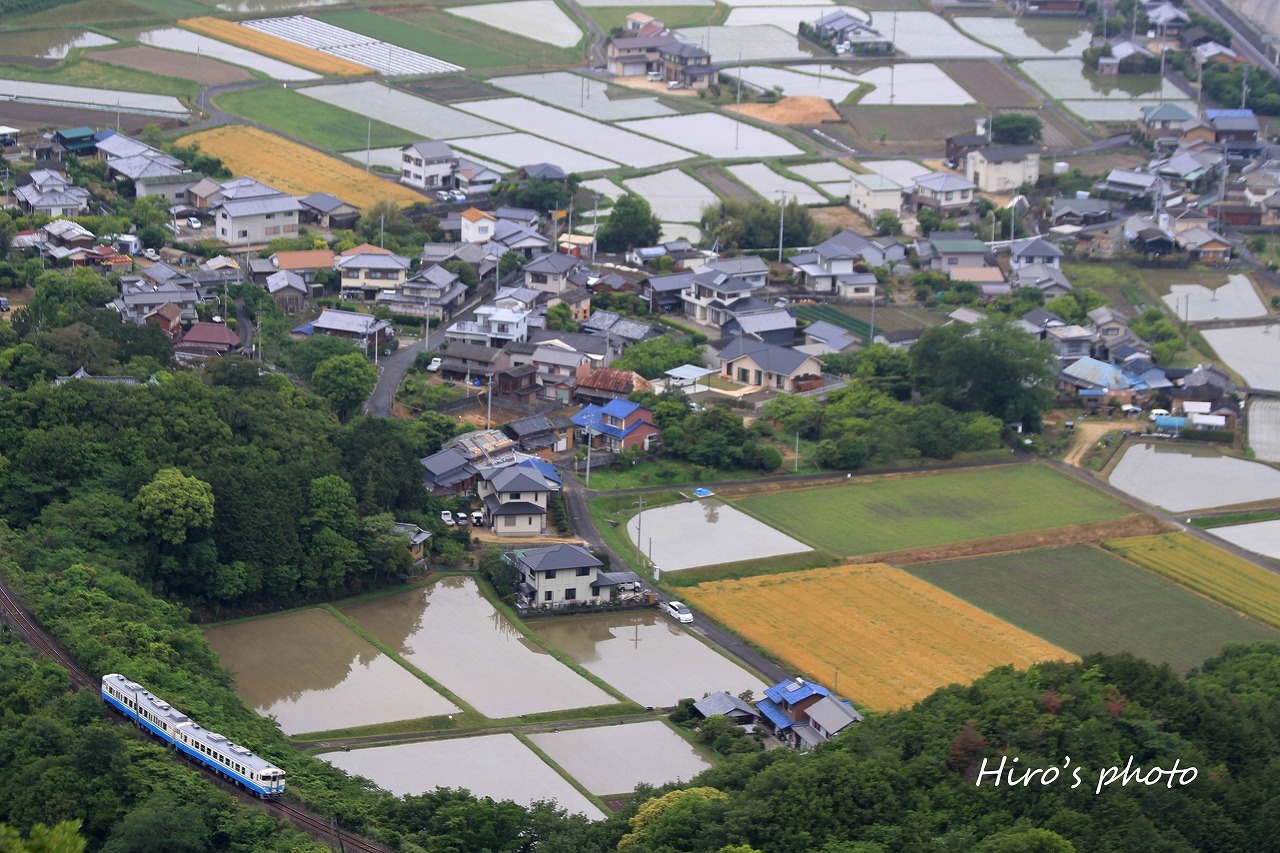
[
  {"x": 618, "y": 425},
  {"x": 804, "y": 713}
]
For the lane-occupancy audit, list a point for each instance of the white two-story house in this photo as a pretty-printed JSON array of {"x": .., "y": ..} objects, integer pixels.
[
  {"x": 710, "y": 294},
  {"x": 256, "y": 220},
  {"x": 428, "y": 165},
  {"x": 515, "y": 500},
  {"x": 555, "y": 574}
]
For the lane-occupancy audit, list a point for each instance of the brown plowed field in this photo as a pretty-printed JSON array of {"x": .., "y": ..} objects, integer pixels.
[
  {"x": 29, "y": 116},
  {"x": 990, "y": 84},
  {"x": 802, "y": 109},
  {"x": 172, "y": 64},
  {"x": 1132, "y": 525}
]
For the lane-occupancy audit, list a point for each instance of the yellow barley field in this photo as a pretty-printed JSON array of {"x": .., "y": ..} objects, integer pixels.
[
  {"x": 278, "y": 48},
  {"x": 294, "y": 168},
  {"x": 1210, "y": 571},
  {"x": 892, "y": 637}
]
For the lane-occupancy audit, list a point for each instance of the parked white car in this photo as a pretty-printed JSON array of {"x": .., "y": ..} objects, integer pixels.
[
  {"x": 447, "y": 518},
  {"x": 477, "y": 518},
  {"x": 434, "y": 365},
  {"x": 193, "y": 223},
  {"x": 678, "y": 611}
]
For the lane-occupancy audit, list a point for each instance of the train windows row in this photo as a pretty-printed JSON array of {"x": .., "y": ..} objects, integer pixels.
[{"x": 239, "y": 768}]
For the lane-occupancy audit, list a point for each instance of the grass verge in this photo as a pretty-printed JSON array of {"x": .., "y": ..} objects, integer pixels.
[{"x": 313, "y": 121}]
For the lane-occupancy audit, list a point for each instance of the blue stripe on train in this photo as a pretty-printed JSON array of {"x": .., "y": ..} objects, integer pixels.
[
  {"x": 133, "y": 715},
  {"x": 204, "y": 759}
]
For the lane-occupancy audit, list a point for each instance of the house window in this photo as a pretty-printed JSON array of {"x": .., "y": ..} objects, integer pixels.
[
  {"x": 515, "y": 496},
  {"x": 949, "y": 196},
  {"x": 243, "y": 234},
  {"x": 273, "y": 229},
  {"x": 546, "y": 596},
  {"x": 509, "y": 521},
  {"x": 570, "y": 594},
  {"x": 582, "y": 573},
  {"x": 551, "y": 574},
  {"x": 271, "y": 216}
]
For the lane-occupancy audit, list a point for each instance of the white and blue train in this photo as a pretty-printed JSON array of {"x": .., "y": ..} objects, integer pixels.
[{"x": 177, "y": 730}]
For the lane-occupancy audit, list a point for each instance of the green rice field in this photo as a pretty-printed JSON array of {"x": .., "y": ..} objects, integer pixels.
[
  {"x": 1085, "y": 600},
  {"x": 868, "y": 515},
  {"x": 310, "y": 120}
]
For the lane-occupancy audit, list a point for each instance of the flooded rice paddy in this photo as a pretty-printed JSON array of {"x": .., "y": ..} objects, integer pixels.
[
  {"x": 49, "y": 44},
  {"x": 706, "y": 533},
  {"x": 1251, "y": 351},
  {"x": 1234, "y": 300},
  {"x": 646, "y": 656},
  {"x": 312, "y": 673},
  {"x": 1261, "y": 537},
  {"x": 616, "y": 759},
  {"x": 497, "y": 766},
  {"x": 452, "y": 633},
  {"x": 1182, "y": 477}
]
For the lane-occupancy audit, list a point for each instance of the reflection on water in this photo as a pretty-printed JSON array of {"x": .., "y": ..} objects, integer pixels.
[
  {"x": 1185, "y": 476},
  {"x": 646, "y": 656},
  {"x": 49, "y": 44},
  {"x": 617, "y": 759},
  {"x": 1055, "y": 35},
  {"x": 711, "y": 511},
  {"x": 274, "y": 5},
  {"x": 470, "y": 648},
  {"x": 313, "y": 673}
]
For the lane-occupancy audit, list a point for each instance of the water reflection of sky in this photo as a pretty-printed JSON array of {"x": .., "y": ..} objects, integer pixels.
[
  {"x": 1181, "y": 477},
  {"x": 452, "y": 633},
  {"x": 312, "y": 673}
]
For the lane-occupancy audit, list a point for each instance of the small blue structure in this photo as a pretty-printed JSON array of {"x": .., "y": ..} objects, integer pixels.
[{"x": 703, "y": 493}]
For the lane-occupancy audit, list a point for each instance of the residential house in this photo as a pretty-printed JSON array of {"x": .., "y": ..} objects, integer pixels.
[
  {"x": 305, "y": 263},
  {"x": 1103, "y": 239},
  {"x": 710, "y": 293},
  {"x": 1166, "y": 18},
  {"x": 1129, "y": 182},
  {"x": 541, "y": 172},
  {"x": 849, "y": 34},
  {"x": 1003, "y": 168},
  {"x": 1204, "y": 246},
  {"x": 749, "y": 268},
  {"x": 542, "y": 435},
  {"x": 80, "y": 141},
  {"x": 607, "y": 383},
  {"x": 51, "y": 193},
  {"x": 634, "y": 56},
  {"x": 1214, "y": 52},
  {"x": 476, "y": 226},
  {"x": 618, "y": 329},
  {"x": 514, "y": 500},
  {"x": 516, "y": 384},
  {"x": 207, "y": 339},
  {"x": 840, "y": 264},
  {"x": 256, "y": 220},
  {"x": 899, "y": 338},
  {"x": 1237, "y": 131},
  {"x": 521, "y": 239},
  {"x": 448, "y": 471},
  {"x": 418, "y": 539},
  {"x": 724, "y": 704},
  {"x": 329, "y": 211},
  {"x": 549, "y": 273},
  {"x": 471, "y": 176},
  {"x": 946, "y": 252},
  {"x": 433, "y": 292},
  {"x": 556, "y": 574},
  {"x": 1162, "y": 120},
  {"x": 828, "y": 717},
  {"x": 959, "y": 146},
  {"x": 1035, "y": 250},
  {"x": 288, "y": 290},
  {"x": 773, "y": 326},
  {"x": 207, "y": 194},
  {"x": 1193, "y": 36},
  {"x": 780, "y": 368},
  {"x": 617, "y": 425},
  {"x": 470, "y": 363},
  {"x": 363, "y": 329},
  {"x": 942, "y": 192},
  {"x": 138, "y": 300},
  {"x": 874, "y": 194},
  {"x": 1049, "y": 280},
  {"x": 366, "y": 274},
  {"x": 1127, "y": 57},
  {"x": 559, "y": 369},
  {"x": 599, "y": 348},
  {"x": 172, "y": 187},
  {"x": 1079, "y": 211},
  {"x": 664, "y": 292},
  {"x": 167, "y": 318},
  {"x": 804, "y": 713},
  {"x": 427, "y": 165},
  {"x": 1070, "y": 342},
  {"x": 834, "y": 338},
  {"x": 491, "y": 325}
]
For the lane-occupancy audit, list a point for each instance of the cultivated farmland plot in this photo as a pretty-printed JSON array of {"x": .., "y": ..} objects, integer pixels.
[
  {"x": 716, "y": 135},
  {"x": 1185, "y": 478},
  {"x": 249, "y": 6},
  {"x": 912, "y": 84},
  {"x": 627, "y": 148},
  {"x": 1067, "y": 79},
  {"x": 824, "y": 172},
  {"x": 833, "y": 86},
  {"x": 540, "y": 20},
  {"x": 1028, "y": 39},
  {"x": 769, "y": 183},
  {"x": 902, "y": 171},
  {"x": 605, "y": 187},
  {"x": 172, "y": 38},
  {"x": 617, "y": 759},
  {"x": 389, "y": 59},
  {"x": 751, "y": 43},
  {"x": 1261, "y": 537},
  {"x": 313, "y": 673},
  {"x": 1264, "y": 428},
  {"x": 681, "y": 231},
  {"x": 400, "y": 109},
  {"x": 102, "y": 99},
  {"x": 785, "y": 17},
  {"x": 924, "y": 35},
  {"x": 1120, "y": 110},
  {"x": 782, "y": 3},
  {"x": 581, "y": 95},
  {"x": 1251, "y": 351},
  {"x": 601, "y": 4},
  {"x": 672, "y": 195},
  {"x": 901, "y": 640},
  {"x": 521, "y": 149},
  {"x": 49, "y": 44},
  {"x": 501, "y": 674},
  {"x": 496, "y": 766},
  {"x": 705, "y": 533},
  {"x": 1234, "y": 300}
]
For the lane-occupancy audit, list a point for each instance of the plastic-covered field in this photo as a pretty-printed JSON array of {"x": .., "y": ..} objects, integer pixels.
[
  {"x": 630, "y": 149},
  {"x": 381, "y": 56},
  {"x": 521, "y": 149},
  {"x": 581, "y": 95},
  {"x": 769, "y": 183},
  {"x": 400, "y": 109},
  {"x": 540, "y": 20},
  {"x": 172, "y": 38},
  {"x": 20, "y": 90},
  {"x": 716, "y": 135},
  {"x": 912, "y": 84},
  {"x": 924, "y": 35}
]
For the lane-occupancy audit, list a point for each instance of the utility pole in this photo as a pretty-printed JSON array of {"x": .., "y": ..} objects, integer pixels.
[
  {"x": 1244, "y": 86},
  {"x": 590, "y": 431},
  {"x": 382, "y": 230},
  {"x": 555, "y": 228},
  {"x": 368, "y": 143},
  {"x": 488, "y": 415},
  {"x": 595, "y": 218},
  {"x": 781, "y": 209},
  {"x": 639, "y": 528},
  {"x": 797, "y": 465},
  {"x": 737, "y": 127}
]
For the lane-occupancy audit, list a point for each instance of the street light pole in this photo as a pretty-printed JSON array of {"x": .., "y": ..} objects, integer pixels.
[{"x": 781, "y": 211}]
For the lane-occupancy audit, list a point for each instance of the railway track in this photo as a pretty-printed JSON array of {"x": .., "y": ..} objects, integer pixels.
[{"x": 16, "y": 616}]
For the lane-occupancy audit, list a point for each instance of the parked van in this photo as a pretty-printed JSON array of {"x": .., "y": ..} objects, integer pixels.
[{"x": 654, "y": 76}]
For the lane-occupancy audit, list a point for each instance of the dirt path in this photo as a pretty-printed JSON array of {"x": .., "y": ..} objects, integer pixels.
[{"x": 1087, "y": 433}]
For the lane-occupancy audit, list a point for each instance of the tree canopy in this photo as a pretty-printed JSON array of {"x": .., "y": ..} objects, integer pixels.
[
  {"x": 1016, "y": 129},
  {"x": 631, "y": 223}
]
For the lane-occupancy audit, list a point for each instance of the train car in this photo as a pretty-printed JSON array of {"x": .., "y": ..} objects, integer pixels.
[{"x": 177, "y": 730}]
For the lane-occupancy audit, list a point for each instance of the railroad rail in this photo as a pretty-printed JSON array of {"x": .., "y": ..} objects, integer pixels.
[{"x": 15, "y": 614}]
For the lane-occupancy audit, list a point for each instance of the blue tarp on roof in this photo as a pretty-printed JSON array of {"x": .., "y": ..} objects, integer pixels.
[
  {"x": 1169, "y": 422},
  {"x": 771, "y": 712},
  {"x": 305, "y": 329},
  {"x": 619, "y": 408}
]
